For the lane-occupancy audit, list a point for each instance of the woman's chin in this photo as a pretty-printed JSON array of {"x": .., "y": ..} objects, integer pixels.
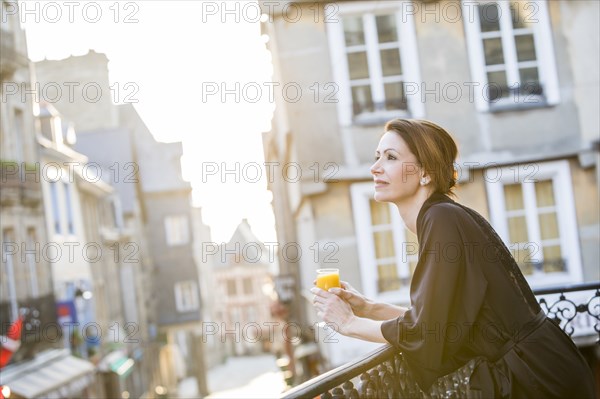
[{"x": 380, "y": 197}]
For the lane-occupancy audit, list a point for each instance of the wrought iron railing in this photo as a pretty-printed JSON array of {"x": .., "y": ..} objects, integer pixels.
[
  {"x": 579, "y": 315},
  {"x": 378, "y": 374}
]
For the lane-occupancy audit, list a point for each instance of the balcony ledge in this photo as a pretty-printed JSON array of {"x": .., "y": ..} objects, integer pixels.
[{"x": 380, "y": 369}]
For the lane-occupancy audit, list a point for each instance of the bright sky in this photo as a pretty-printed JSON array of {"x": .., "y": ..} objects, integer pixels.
[{"x": 174, "y": 52}]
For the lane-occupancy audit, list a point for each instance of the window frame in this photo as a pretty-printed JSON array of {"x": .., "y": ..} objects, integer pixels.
[
  {"x": 32, "y": 265},
  {"x": 180, "y": 225},
  {"x": 231, "y": 288},
  {"x": 192, "y": 288},
  {"x": 248, "y": 286},
  {"x": 544, "y": 50},
  {"x": 560, "y": 174},
  {"x": 62, "y": 210},
  {"x": 68, "y": 203},
  {"x": 407, "y": 43},
  {"x": 19, "y": 134},
  {"x": 8, "y": 264},
  {"x": 54, "y": 188},
  {"x": 362, "y": 194}
]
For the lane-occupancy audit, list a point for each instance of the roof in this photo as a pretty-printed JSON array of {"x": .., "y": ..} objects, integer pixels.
[
  {"x": 242, "y": 248},
  {"x": 159, "y": 163},
  {"x": 111, "y": 149}
]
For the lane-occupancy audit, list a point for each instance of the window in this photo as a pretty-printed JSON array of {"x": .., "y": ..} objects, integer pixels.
[
  {"x": 390, "y": 252},
  {"x": 69, "y": 205},
  {"x": 248, "y": 289},
  {"x": 231, "y": 287},
  {"x": 177, "y": 230},
  {"x": 19, "y": 133},
  {"x": 186, "y": 296},
  {"x": 32, "y": 249},
  {"x": 235, "y": 314},
  {"x": 9, "y": 289},
  {"x": 532, "y": 209},
  {"x": 40, "y": 280},
  {"x": 252, "y": 315},
  {"x": 55, "y": 207},
  {"x": 374, "y": 56},
  {"x": 511, "y": 53},
  {"x": 61, "y": 199}
]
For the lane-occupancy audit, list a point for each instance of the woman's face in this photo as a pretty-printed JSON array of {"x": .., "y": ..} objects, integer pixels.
[{"x": 396, "y": 171}]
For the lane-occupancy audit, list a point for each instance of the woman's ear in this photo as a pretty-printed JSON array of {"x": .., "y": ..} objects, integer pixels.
[{"x": 425, "y": 180}]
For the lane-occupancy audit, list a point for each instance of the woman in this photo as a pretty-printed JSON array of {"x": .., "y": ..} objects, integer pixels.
[{"x": 468, "y": 296}]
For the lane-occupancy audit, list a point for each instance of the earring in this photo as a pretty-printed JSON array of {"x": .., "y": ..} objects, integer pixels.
[{"x": 423, "y": 181}]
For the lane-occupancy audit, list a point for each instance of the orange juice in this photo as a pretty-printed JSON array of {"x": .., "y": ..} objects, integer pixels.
[{"x": 328, "y": 278}]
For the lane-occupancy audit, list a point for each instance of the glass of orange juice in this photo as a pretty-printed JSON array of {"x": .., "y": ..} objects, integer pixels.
[{"x": 328, "y": 278}]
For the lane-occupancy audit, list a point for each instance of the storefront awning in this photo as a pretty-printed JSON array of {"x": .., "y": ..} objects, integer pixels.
[
  {"x": 117, "y": 362},
  {"x": 122, "y": 367},
  {"x": 51, "y": 374}
]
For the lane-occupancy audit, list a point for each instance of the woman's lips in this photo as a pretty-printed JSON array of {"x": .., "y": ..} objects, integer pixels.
[{"x": 380, "y": 183}]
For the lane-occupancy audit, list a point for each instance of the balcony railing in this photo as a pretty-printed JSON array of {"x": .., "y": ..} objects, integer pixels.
[{"x": 575, "y": 308}]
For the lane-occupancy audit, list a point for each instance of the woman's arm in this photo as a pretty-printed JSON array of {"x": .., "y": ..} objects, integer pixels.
[
  {"x": 339, "y": 314},
  {"x": 365, "y": 329},
  {"x": 365, "y": 307},
  {"x": 385, "y": 311}
]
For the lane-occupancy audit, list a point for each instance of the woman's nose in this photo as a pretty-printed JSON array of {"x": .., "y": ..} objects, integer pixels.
[{"x": 375, "y": 168}]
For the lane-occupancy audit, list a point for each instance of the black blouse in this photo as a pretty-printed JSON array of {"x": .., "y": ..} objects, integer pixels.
[{"x": 469, "y": 298}]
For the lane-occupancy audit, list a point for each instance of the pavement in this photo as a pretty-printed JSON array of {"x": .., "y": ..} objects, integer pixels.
[{"x": 239, "y": 377}]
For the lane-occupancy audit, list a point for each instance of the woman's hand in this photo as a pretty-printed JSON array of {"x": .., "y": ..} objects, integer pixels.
[
  {"x": 361, "y": 306},
  {"x": 333, "y": 309},
  {"x": 366, "y": 308},
  {"x": 337, "y": 312}
]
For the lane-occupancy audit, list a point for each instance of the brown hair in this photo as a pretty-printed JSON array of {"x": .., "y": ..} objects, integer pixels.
[{"x": 433, "y": 147}]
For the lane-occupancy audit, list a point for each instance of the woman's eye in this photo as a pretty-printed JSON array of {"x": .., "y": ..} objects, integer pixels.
[
  {"x": 391, "y": 157},
  {"x": 377, "y": 158}
]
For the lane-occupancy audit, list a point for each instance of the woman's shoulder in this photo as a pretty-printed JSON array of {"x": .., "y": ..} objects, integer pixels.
[
  {"x": 446, "y": 215},
  {"x": 444, "y": 210},
  {"x": 449, "y": 207}
]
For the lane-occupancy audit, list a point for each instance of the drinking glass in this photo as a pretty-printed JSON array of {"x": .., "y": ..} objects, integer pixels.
[{"x": 328, "y": 278}]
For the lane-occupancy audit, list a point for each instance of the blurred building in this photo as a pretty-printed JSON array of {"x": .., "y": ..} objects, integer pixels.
[
  {"x": 516, "y": 83},
  {"x": 112, "y": 151},
  {"x": 242, "y": 311},
  {"x": 83, "y": 230},
  {"x": 214, "y": 349},
  {"x": 30, "y": 251},
  {"x": 167, "y": 205},
  {"x": 162, "y": 289},
  {"x": 25, "y": 276}
]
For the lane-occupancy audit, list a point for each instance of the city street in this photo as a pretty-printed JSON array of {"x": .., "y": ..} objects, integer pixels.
[
  {"x": 199, "y": 198},
  {"x": 240, "y": 377}
]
